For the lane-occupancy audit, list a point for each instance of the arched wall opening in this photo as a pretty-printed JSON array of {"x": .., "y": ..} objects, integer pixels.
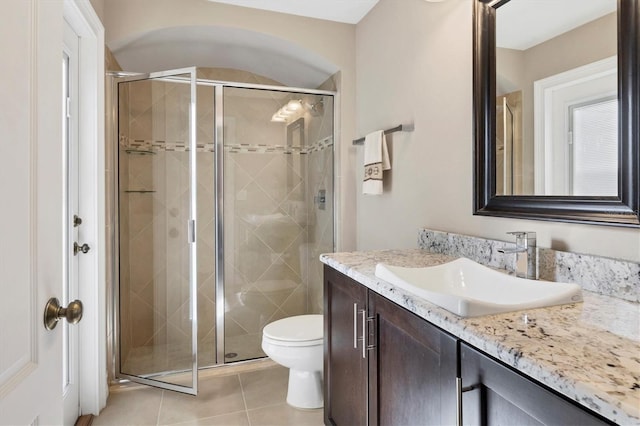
[
  {"x": 223, "y": 47},
  {"x": 151, "y": 157}
]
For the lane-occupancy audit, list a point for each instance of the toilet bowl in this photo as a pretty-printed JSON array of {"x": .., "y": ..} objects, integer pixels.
[{"x": 296, "y": 343}]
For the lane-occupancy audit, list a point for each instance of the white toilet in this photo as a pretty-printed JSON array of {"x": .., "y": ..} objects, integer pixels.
[{"x": 296, "y": 343}]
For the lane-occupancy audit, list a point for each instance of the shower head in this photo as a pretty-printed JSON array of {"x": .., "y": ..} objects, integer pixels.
[{"x": 316, "y": 109}]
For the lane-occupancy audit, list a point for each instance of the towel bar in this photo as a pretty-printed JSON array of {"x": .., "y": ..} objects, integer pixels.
[{"x": 400, "y": 128}]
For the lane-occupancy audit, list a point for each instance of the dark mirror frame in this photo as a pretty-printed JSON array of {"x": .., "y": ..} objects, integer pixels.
[{"x": 623, "y": 210}]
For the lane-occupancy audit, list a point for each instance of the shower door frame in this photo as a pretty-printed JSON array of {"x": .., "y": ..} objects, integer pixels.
[
  {"x": 173, "y": 76},
  {"x": 218, "y": 86}
]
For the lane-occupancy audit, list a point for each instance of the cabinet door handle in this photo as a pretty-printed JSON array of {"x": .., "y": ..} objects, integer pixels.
[
  {"x": 372, "y": 332},
  {"x": 362, "y": 339},
  {"x": 355, "y": 326},
  {"x": 459, "y": 391},
  {"x": 364, "y": 332}
]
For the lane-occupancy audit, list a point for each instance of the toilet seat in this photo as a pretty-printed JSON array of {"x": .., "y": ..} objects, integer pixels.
[{"x": 301, "y": 330}]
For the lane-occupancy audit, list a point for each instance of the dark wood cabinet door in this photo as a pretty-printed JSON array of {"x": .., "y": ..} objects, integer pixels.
[
  {"x": 504, "y": 397},
  {"x": 412, "y": 369},
  {"x": 345, "y": 369}
]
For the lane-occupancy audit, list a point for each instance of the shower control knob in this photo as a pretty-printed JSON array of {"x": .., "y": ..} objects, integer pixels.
[{"x": 77, "y": 248}]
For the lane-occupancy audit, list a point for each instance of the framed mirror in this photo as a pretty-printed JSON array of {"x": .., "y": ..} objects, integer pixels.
[{"x": 557, "y": 110}]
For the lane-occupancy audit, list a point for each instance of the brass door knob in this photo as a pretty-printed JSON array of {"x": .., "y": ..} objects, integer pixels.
[{"x": 53, "y": 312}]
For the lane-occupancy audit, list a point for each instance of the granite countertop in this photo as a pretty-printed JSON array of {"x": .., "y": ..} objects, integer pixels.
[{"x": 589, "y": 351}]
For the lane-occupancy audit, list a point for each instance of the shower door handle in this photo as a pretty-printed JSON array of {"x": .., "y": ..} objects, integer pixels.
[{"x": 192, "y": 231}]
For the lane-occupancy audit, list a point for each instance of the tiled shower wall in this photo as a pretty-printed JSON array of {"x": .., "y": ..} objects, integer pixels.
[{"x": 273, "y": 230}]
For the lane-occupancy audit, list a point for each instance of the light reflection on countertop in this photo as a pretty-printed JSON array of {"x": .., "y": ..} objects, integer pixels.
[
  {"x": 588, "y": 351},
  {"x": 616, "y": 316}
]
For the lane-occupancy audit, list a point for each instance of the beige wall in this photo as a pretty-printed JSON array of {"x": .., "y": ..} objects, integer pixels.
[
  {"x": 124, "y": 19},
  {"x": 588, "y": 43},
  {"x": 429, "y": 81},
  {"x": 98, "y": 6}
]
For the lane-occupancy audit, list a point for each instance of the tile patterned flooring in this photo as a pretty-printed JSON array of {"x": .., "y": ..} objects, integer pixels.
[{"x": 250, "y": 398}]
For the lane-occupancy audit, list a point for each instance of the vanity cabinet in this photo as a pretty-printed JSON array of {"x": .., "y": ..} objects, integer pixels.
[
  {"x": 494, "y": 394},
  {"x": 383, "y": 364}
]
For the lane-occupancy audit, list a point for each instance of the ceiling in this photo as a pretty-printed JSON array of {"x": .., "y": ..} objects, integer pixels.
[{"x": 347, "y": 11}]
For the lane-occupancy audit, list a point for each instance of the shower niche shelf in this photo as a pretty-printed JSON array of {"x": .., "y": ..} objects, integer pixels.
[{"x": 138, "y": 191}]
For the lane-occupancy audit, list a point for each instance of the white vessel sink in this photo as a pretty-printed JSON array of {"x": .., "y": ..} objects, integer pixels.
[{"x": 469, "y": 289}]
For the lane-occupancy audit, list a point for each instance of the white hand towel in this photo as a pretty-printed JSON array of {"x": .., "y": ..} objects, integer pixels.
[{"x": 376, "y": 159}]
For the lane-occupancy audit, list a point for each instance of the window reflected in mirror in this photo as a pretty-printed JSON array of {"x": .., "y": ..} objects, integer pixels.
[{"x": 556, "y": 98}]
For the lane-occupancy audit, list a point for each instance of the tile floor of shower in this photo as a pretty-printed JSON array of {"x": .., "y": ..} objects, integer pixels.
[
  {"x": 252, "y": 394},
  {"x": 145, "y": 360}
]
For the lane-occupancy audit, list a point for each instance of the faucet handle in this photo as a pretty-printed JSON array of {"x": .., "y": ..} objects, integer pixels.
[
  {"x": 520, "y": 234},
  {"x": 526, "y": 254},
  {"x": 525, "y": 238}
]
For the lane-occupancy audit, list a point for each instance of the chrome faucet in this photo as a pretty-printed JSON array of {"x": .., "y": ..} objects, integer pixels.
[{"x": 526, "y": 254}]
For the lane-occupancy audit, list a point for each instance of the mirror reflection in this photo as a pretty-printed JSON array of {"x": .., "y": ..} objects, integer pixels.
[{"x": 556, "y": 98}]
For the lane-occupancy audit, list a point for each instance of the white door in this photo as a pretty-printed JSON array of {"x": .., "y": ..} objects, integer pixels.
[
  {"x": 31, "y": 224},
  {"x": 32, "y": 240}
]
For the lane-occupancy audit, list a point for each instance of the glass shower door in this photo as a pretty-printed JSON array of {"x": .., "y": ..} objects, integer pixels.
[
  {"x": 278, "y": 210},
  {"x": 157, "y": 230}
]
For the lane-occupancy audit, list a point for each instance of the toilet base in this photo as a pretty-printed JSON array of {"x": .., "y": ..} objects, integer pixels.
[{"x": 305, "y": 389}]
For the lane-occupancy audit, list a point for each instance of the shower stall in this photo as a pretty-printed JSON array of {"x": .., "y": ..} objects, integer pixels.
[
  {"x": 224, "y": 202},
  {"x": 509, "y": 144}
]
